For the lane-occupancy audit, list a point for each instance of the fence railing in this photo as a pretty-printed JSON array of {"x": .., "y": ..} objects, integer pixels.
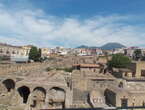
[{"x": 107, "y": 108}]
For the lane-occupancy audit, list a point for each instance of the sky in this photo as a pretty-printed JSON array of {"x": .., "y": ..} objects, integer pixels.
[{"x": 71, "y": 23}]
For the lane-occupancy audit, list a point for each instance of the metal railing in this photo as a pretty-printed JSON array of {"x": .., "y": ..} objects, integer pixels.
[{"x": 108, "y": 108}]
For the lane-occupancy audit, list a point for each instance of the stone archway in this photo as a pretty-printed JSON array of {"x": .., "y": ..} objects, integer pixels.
[
  {"x": 110, "y": 97},
  {"x": 57, "y": 98},
  {"x": 38, "y": 98},
  {"x": 24, "y": 92},
  {"x": 7, "y": 87},
  {"x": 9, "y": 84},
  {"x": 120, "y": 85}
]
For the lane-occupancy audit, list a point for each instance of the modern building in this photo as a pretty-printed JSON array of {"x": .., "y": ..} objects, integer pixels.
[
  {"x": 45, "y": 52},
  {"x": 14, "y": 53}
]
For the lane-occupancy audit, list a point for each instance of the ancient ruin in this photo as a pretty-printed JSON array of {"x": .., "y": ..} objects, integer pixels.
[{"x": 31, "y": 86}]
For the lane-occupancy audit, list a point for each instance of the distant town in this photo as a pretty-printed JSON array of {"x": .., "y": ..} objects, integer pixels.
[
  {"x": 19, "y": 54},
  {"x": 107, "y": 77},
  {"x": 72, "y": 54}
]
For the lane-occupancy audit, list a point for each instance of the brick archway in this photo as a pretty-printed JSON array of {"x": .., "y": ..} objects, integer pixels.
[
  {"x": 24, "y": 92},
  {"x": 58, "y": 97},
  {"x": 38, "y": 97},
  {"x": 9, "y": 84}
]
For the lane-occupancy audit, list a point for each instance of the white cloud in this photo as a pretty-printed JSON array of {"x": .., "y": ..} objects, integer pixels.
[{"x": 39, "y": 28}]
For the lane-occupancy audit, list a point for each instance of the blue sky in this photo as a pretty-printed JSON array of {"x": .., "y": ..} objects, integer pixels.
[{"x": 69, "y": 23}]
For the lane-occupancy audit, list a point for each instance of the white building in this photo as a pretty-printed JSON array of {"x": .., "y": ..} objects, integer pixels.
[{"x": 14, "y": 53}]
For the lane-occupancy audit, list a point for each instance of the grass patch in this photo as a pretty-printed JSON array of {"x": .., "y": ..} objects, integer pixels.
[{"x": 65, "y": 69}]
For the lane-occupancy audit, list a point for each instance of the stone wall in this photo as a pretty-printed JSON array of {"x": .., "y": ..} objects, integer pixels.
[
  {"x": 139, "y": 67},
  {"x": 19, "y": 68}
]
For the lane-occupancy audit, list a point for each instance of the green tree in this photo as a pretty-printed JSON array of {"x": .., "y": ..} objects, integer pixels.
[
  {"x": 39, "y": 53},
  {"x": 119, "y": 61},
  {"x": 35, "y": 54},
  {"x": 0, "y": 58},
  {"x": 137, "y": 54}
]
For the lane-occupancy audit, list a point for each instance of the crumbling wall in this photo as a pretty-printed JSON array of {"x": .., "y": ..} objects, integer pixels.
[{"x": 20, "y": 68}]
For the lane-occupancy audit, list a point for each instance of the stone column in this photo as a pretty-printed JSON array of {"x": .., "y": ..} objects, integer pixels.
[
  {"x": 68, "y": 98},
  {"x": 46, "y": 101}
]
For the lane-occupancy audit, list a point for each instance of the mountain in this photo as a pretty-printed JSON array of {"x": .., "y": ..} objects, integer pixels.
[
  {"x": 83, "y": 46},
  {"x": 110, "y": 46}
]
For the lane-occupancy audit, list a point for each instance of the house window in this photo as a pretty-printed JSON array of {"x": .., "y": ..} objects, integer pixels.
[
  {"x": 13, "y": 52},
  {"x": 143, "y": 73},
  {"x": 7, "y": 52}
]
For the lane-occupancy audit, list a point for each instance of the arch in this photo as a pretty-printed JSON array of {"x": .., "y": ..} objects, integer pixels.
[
  {"x": 9, "y": 84},
  {"x": 57, "y": 88},
  {"x": 40, "y": 89},
  {"x": 120, "y": 85},
  {"x": 96, "y": 98},
  {"x": 24, "y": 92},
  {"x": 110, "y": 97},
  {"x": 57, "y": 98},
  {"x": 39, "y": 96}
]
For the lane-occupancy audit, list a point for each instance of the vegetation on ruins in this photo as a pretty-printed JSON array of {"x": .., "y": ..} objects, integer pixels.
[
  {"x": 66, "y": 69},
  {"x": 119, "y": 61},
  {"x": 49, "y": 69},
  {"x": 4, "y": 58},
  {"x": 35, "y": 54}
]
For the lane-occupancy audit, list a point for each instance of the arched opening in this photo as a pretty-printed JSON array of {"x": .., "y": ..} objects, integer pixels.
[
  {"x": 57, "y": 88},
  {"x": 126, "y": 74},
  {"x": 57, "y": 97},
  {"x": 24, "y": 93},
  {"x": 110, "y": 97},
  {"x": 120, "y": 85},
  {"x": 39, "y": 95},
  {"x": 40, "y": 89},
  {"x": 96, "y": 98},
  {"x": 9, "y": 84}
]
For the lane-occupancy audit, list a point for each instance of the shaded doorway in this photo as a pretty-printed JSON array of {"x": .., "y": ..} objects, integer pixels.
[
  {"x": 9, "y": 84},
  {"x": 120, "y": 85},
  {"x": 124, "y": 102},
  {"x": 110, "y": 97},
  {"x": 24, "y": 93}
]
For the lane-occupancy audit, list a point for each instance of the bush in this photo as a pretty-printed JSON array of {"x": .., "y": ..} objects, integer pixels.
[
  {"x": 35, "y": 54},
  {"x": 48, "y": 69},
  {"x": 119, "y": 61},
  {"x": 68, "y": 69},
  {"x": 65, "y": 69}
]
